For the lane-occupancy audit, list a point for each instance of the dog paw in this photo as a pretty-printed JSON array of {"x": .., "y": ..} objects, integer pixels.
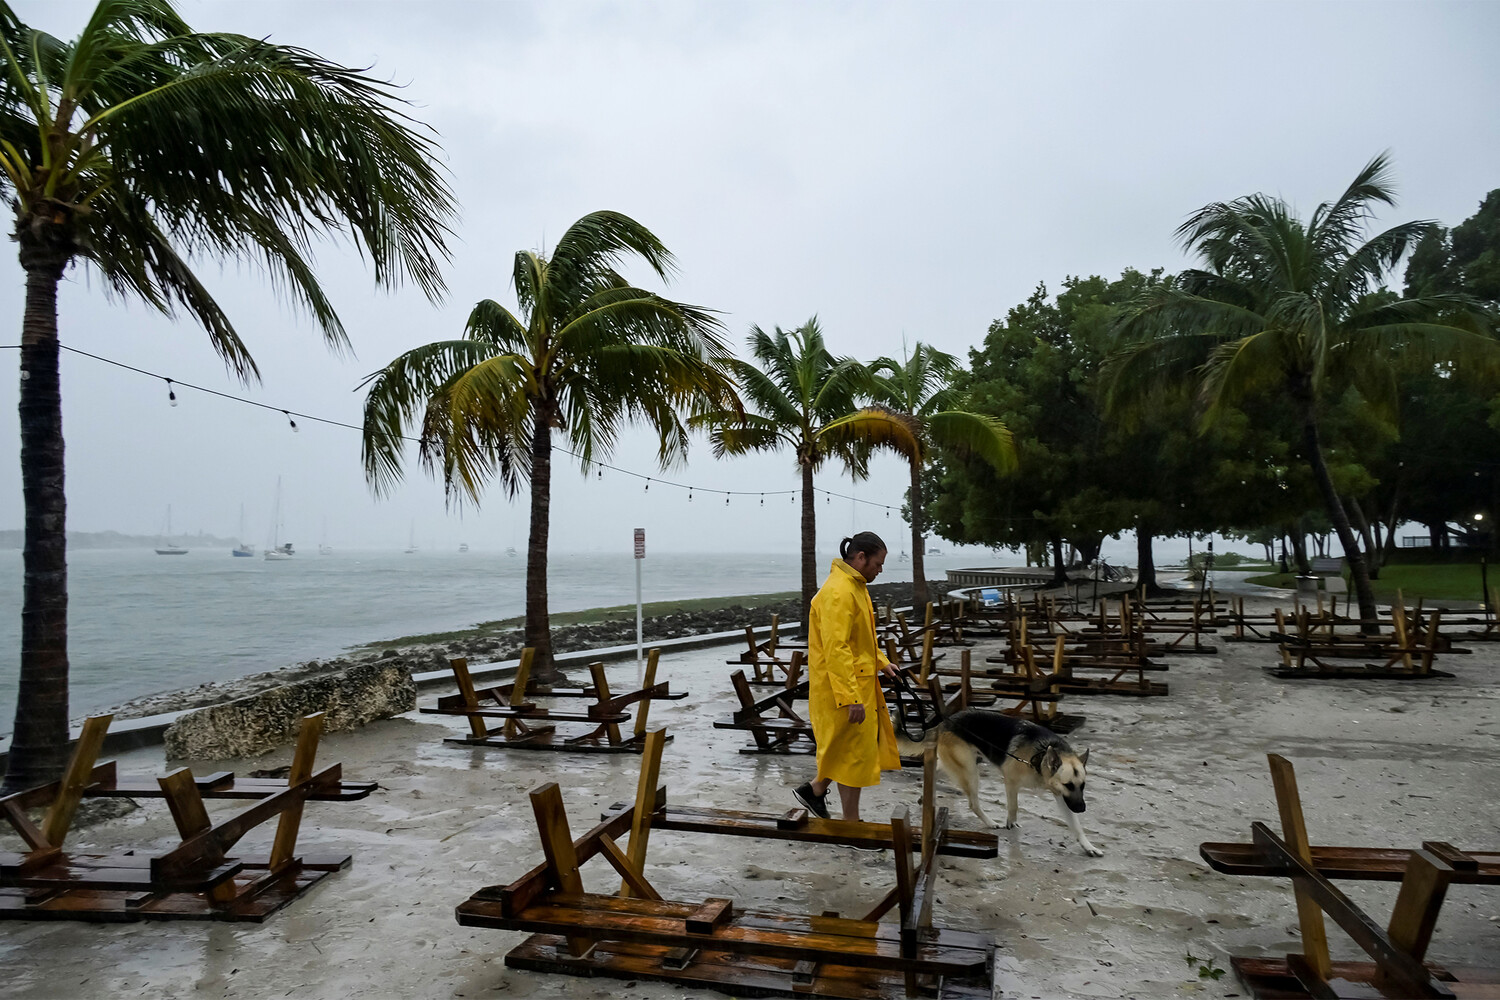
[
  {"x": 1092, "y": 851},
  {"x": 1008, "y": 825}
]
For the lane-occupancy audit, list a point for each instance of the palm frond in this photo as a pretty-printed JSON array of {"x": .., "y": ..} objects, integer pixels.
[
  {"x": 975, "y": 434},
  {"x": 398, "y": 393},
  {"x": 872, "y": 427}
]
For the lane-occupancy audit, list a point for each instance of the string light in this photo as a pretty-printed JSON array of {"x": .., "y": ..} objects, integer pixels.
[{"x": 292, "y": 416}]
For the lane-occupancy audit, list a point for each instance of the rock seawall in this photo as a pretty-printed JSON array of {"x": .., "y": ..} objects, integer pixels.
[{"x": 259, "y": 723}]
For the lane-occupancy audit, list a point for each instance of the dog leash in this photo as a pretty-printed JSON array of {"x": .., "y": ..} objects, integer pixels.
[{"x": 905, "y": 694}]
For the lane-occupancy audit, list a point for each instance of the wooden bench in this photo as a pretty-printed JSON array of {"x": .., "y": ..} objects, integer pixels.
[
  {"x": 713, "y": 943},
  {"x": 783, "y": 733},
  {"x": 197, "y": 879},
  {"x": 1397, "y": 950},
  {"x": 528, "y": 726},
  {"x": 1405, "y": 657}
]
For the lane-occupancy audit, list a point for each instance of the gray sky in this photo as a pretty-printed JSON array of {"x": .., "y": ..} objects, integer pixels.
[{"x": 902, "y": 170}]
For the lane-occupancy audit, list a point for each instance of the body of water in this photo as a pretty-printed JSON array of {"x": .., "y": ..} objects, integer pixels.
[{"x": 140, "y": 623}]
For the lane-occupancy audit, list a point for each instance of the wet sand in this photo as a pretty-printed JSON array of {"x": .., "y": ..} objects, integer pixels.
[{"x": 1379, "y": 763}]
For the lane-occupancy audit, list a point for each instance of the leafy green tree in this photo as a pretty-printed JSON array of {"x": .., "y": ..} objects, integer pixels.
[
  {"x": 588, "y": 354},
  {"x": 1466, "y": 259},
  {"x": 806, "y": 399},
  {"x": 1282, "y": 306},
  {"x": 920, "y": 388},
  {"x": 136, "y": 147},
  {"x": 1083, "y": 474}
]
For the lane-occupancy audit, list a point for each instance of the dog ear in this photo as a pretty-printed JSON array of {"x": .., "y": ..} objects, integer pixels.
[
  {"x": 1052, "y": 761},
  {"x": 1085, "y": 758}
]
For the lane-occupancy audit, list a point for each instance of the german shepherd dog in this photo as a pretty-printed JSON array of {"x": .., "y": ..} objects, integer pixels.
[{"x": 1028, "y": 756}]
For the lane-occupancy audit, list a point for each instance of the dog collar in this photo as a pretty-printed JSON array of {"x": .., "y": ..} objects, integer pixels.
[{"x": 1035, "y": 763}]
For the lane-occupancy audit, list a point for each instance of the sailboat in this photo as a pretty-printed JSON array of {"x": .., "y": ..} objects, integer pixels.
[
  {"x": 463, "y": 546},
  {"x": 324, "y": 549},
  {"x": 243, "y": 550},
  {"x": 278, "y": 549},
  {"x": 167, "y": 548},
  {"x": 411, "y": 544}
]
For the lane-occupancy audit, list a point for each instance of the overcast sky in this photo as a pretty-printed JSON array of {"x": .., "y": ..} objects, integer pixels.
[{"x": 905, "y": 171}]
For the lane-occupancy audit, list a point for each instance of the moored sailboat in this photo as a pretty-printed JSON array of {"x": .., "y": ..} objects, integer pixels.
[{"x": 167, "y": 548}]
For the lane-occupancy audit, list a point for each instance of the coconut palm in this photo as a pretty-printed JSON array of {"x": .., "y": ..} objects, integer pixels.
[
  {"x": 136, "y": 147},
  {"x": 1283, "y": 306},
  {"x": 807, "y": 400},
  {"x": 588, "y": 354},
  {"x": 919, "y": 387}
]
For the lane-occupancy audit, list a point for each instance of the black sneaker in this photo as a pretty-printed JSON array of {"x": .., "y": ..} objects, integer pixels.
[{"x": 811, "y": 800}]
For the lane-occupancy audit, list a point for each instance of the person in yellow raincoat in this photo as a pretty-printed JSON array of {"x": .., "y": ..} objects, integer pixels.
[{"x": 856, "y": 740}]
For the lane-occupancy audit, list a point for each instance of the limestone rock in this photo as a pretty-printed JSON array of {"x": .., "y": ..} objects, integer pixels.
[{"x": 258, "y": 724}]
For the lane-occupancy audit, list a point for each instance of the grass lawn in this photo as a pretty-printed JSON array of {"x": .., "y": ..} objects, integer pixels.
[{"x": 1448, "y": 581}]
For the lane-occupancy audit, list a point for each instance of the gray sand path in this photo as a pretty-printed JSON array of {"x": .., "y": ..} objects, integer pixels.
[{"x": 1379, "y": 764}]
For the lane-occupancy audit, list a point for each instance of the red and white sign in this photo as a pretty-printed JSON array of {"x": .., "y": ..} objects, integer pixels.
[{"x": 640, "y": 543}]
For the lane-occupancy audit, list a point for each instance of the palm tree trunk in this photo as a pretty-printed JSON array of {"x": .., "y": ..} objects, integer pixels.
[
  {"x": 809, "y": 544},
  {"x": 1145, "y": 572},
  {"x": 538, "y": 626},
  {"x": 1299, "y": 550},
  {"x": 39, "y": 747},
  {"x": 1358, "y": 570},
  {"x": 918, "y": 549},
  {"x": 1371, "y": 547}
]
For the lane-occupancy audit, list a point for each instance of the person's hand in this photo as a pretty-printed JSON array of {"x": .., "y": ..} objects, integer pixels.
[
  {"x": 856, "y": 714},
  {"x": 889, "y": 670}
]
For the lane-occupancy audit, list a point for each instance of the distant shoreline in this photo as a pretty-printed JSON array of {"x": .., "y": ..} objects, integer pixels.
[{"x": 14, "y": 539}]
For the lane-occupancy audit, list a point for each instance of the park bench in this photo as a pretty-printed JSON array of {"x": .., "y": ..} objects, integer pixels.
[
  {"x": 528, "y": 726},
  {"x": 713, "y": 943},
  {"x": 1397, "y": 950},
  {"x": 198, "y": 879}
]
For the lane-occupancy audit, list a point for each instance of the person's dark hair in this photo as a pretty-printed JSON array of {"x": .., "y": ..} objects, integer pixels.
[{"x": 866, "y": 543}]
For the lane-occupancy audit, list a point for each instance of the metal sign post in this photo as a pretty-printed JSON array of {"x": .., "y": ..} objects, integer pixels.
[{"x": 640, "y": 554}]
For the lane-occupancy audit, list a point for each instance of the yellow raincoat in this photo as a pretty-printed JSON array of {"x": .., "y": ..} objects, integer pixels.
[{"x": 844, "y": 661}]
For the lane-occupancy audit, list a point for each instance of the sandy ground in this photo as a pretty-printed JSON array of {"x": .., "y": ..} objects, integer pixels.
[{"x": 1379, "y": 764}]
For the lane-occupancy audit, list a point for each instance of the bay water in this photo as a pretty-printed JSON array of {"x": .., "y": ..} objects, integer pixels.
[{"x": 139, "y": 623}]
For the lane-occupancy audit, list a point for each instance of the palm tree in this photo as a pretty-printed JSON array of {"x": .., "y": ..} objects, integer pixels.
[
  {"x": 137, "y": 146},
  {"x": 1288, "y": 307},
  {"x": 920, "y": 389},
  {"x": 807, "y": 399},
  {"x": 588, "y": 354}
]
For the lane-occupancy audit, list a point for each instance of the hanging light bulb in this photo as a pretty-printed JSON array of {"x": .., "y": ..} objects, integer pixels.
[
  {"x": 290, "y": 420},
  {"x": 690, "y": 494},
  {"x": 726, "y": 499},
  {"x": 171, "y": 394},
  {"x": 648, "y": 485},
  {"x": 601, "y": 472},
  {"x": 762, "y": 499}
]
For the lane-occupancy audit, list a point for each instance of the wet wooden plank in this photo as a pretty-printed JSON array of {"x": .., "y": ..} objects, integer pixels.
[
  {"x": 774, "y": 826},
  {"x": 820, "y": 939},
  {"x": 1376, "y": 864},
  {"x": 724, "y": 972}
]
